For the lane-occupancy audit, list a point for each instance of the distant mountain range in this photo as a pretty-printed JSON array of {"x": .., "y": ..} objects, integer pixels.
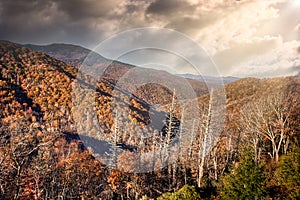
[
  {"x": 210, "y": 79},
  {"x": 75, "y": 55}
]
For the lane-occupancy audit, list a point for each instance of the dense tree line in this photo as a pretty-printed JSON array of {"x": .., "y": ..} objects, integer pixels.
[{"x": 43, "y": 157}]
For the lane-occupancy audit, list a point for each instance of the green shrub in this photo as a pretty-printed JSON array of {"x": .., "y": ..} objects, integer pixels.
[
  {"x": 247, "y": 181},
  {"x": 187, "y": 192}
]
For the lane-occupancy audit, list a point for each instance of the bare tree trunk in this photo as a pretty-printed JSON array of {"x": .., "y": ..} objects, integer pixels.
[
  {"x": 206, "y": 133},
  {"x": 169, "y": 133},
  {"x": 113, "y": 159}
]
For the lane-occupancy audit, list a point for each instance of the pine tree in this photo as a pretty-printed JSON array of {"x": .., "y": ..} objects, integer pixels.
[
  {"x": 187, "y": 192},
  {"x": 247, "y": 181},
  {"x": 288, "y": 173}
]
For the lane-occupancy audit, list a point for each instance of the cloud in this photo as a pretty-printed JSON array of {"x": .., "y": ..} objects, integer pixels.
[
  {"x": 237, "y": 26},
  {"x": 30, "y": 20},
  {"x": 80, "y": 9},
  {"x": 282, "y": 60},
  {"x": 88, "y": 21},
  {"x": 286, "y": 24},
  {"x": 79, "y": 21},
  {"x": 233, "y": 32},
  {"x": 230, "y": 58},
  {"x": 189, "y": 16},
  {"x": 163, "y": 7}
]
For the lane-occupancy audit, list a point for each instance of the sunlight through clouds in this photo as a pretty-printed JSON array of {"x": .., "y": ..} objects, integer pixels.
[{"x": 222, "y": 27}]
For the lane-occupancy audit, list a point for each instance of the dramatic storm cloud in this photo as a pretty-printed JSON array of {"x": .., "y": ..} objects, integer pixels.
[{"x": 245, "y": 38}]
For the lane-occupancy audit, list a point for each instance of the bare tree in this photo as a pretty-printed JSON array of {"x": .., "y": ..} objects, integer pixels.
[
  {"x": 203, "y": 149},
  {"x": 114, "y": 148},
  {"x": 170, "y": 133},
  {"x": 268, "y": 118}
]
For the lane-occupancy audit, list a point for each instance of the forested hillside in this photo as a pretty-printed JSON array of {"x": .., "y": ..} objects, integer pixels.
[
  {"x": 43, "y": 155},
  {"x": 70, "y": 54}
]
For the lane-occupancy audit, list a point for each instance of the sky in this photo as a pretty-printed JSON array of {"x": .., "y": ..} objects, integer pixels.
[{"x": 259, "y": 38}]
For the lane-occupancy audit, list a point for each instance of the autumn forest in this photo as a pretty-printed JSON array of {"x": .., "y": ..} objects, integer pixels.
[{"x": 64, "y": 135}]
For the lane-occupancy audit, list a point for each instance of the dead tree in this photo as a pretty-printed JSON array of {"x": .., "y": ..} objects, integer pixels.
[
  {"x": 268, "y": 118},
  {"x": 203, "y": 149}
]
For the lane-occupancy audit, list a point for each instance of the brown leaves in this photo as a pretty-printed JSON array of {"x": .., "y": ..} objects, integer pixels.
[
  {"x": 127, "y": 161},
  {"x": 114, "y": 179}
]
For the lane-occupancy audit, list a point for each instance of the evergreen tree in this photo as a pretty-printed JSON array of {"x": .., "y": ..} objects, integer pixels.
[
  {"x": 288, "y": 173},
  {"x": 187, "y": 192},
  {"x": 247, "y": 181}
]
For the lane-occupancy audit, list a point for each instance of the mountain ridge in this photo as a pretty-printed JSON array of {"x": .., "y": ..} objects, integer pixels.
[
  {"x": 211, "y": 79},
  {"x": 63, "y": 51},
  {"x": 43, "y": 140}
]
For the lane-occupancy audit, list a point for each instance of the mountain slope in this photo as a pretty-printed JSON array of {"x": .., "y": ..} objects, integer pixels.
[
  {"x": 37, "y": 108},
  {"x": 70, "y": 54},
  {"x": 36, "y": 76},
  {"x": 209, "y": 79},
  {"x": 35, "y": 81},
  {"x": 75, "y": 55},
  {"x": 35, "y": 84}
]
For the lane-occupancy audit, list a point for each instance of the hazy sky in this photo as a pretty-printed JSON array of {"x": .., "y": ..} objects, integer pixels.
[{"x": 244, "y": 38}]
